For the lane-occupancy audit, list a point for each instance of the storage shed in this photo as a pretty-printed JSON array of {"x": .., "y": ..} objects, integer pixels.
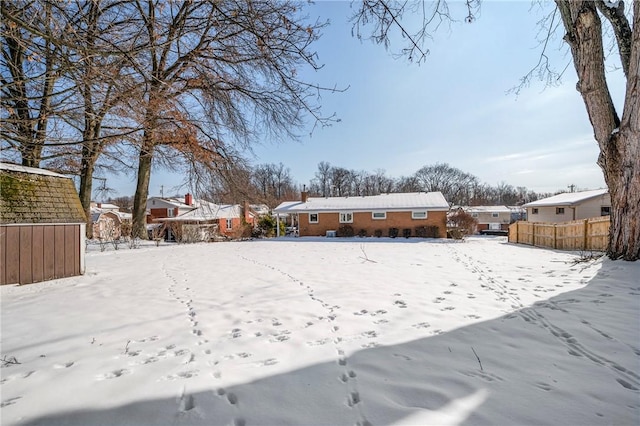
[{"x": 42, "y": 226}]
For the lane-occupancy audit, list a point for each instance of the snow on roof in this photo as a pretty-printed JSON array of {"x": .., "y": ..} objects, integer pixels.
[
  {"x": 488, "y": 209},
  {"x": 568, "y": 198},
  {"x": 33, "y": 170},
  {"x": 108, "y": 206},
  {"x": 173, "y": 201},
  {"x": 206, "y": 211},
  {"x": 396, "y": 201}
]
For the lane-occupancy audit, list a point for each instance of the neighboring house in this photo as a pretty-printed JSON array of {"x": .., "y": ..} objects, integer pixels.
[
  {"x": 159, "y": 207},
  {"x": 260, "y": 209},
  {"x": 42, "y": 226},
  {"x": 107, "y": 221},
  {"x": 570, "y": 206},
  {"x": 490, "y": 218},
  {"x": 107, "y": 225},
  {"x": 207, "y": 220},
  {"x": 402, "y": 214}
]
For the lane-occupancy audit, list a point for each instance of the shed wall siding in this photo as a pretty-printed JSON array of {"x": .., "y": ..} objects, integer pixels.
[{"x": 34, "y": 253}]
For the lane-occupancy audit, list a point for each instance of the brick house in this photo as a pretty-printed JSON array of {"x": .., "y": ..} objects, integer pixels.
[
  {"x": 42, "y": 226},
  {"x": 205, "y": 220},
  {"x": 401, "y": 214},
  {"x": 160, "y": 207}
]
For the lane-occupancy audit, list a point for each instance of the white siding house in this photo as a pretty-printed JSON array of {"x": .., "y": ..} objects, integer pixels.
[{"x": 570, "y": 206}]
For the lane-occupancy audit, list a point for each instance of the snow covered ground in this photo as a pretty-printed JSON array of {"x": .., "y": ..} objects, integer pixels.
[{"x": 326, "y": 331}]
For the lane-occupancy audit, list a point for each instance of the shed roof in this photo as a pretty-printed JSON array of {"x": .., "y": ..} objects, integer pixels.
[
  {"x": 30, "y": 195},
  {"x": 568, "y": 198},
  {"x": 388, "y": 202}
]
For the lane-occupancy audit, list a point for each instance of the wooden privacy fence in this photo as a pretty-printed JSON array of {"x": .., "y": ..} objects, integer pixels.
[{"x": 584, "y": 234}]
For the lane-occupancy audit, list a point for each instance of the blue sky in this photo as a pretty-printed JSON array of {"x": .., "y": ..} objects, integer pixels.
[{"x": 453, "y": 108}]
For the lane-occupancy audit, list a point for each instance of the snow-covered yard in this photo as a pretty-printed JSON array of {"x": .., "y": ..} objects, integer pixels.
[{"x": 326, "y": 331}]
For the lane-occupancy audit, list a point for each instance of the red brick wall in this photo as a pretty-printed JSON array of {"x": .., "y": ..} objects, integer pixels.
[
  {"x": 364, "y": 221},
  {"x": 236, "y": 225}
]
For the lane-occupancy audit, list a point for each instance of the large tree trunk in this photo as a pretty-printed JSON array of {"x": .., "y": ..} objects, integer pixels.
[
  {"x": 139, "y": 228},
  {"x": 86, "y": 186},
  {"x": 624, "y": 178},
  {"x": 619, "y": 140}
]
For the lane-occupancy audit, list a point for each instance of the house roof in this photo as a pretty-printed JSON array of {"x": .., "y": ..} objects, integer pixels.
[
  {"x": 30, "y": 195},
  {"x": 488, "y": 209},
  {"x": 568, "y": 198},
  {"x": 97, "y": 212},
  {"x": 388, "y": 202},
  {"x": 174, "y": 202},
  {"x": 206, "y": 211},
  {"x": 108, "y": 206}
]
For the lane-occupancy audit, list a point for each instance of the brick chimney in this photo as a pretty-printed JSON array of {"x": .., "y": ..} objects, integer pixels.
[
  {"x": 188, "y": 199},
  {"x": 304, "y": 195}
]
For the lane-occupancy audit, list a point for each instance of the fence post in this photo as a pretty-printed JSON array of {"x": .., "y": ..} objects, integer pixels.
[
  {"x": 586, "y": 233},
  {"x": 533, "y": 235},
  {"x": 555, "y": 235}
]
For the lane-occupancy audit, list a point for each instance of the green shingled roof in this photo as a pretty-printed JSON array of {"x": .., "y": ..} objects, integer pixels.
[{"x": 29, "y": 195}]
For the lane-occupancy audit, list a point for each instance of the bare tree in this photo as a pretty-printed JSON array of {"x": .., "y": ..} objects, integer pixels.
[
  {"x": 31, "y": 67},
  {"x": 454, "y": 184},
  {"x": 100, "y": 81},
  {"x": 322, "y": 184},
  {"x": 618, "y": 137},
  {"x": 219, "y": 72}
]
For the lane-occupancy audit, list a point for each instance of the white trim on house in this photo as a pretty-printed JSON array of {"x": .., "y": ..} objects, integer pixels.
[{"x": 346, "y": 217}]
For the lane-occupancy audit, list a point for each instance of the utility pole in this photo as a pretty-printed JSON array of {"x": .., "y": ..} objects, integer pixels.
[{"x": 572, "y": 188}]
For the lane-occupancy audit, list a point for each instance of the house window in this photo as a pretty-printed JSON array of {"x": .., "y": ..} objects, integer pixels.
[
  {"x": 534, "y": 211},
  {"x": 313, "y": 217},
  {"x": 170, "y": 213},
  {"x": 605, "y": 211},
  {"x": 379, "y": 215},
  {"x": 559, "y": 210},
  {"x": 495, "y": 214},
  {"x": 229, "y": 223},
  {"x": 474, "y": 214},
  {"x": 418, "y": 215},
  {"x": 346, "y": 217}
]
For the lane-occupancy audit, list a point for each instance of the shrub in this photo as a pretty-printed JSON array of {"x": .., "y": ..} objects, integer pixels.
[
  {"x": 267, "y": 226},
  {"x": 345, "y": 231},
  {"x": 393, "y": 232},
  {"x": 463, "y": 222},
  {"x": 406, "y": 233},
  {"x": 377, "y": 233},
  {"x": 427, "y": 231},
  {"x": 362, "y": 233}
]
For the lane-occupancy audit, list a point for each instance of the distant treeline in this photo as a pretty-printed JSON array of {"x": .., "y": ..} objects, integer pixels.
[{"x": 272, "y": 183}]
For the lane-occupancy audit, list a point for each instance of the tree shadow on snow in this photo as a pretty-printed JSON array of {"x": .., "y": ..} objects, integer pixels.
[{"x": 529, "y": 366}]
